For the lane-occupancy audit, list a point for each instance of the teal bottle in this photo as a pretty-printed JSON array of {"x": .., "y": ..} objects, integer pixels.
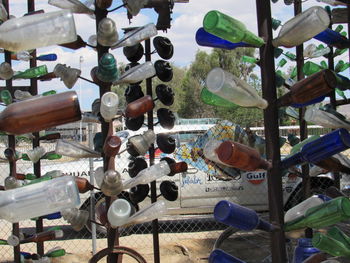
[
  {"x": 6, "y": 97},
  {"x": 214, "y": 100},
  {"x": 31, "y": 73},
  {"x": 107, "y": 68}
]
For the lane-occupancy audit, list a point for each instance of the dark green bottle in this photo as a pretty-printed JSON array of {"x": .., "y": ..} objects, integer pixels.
[
  {"x": 330, "y": 245},
  {"x": 326, "y": 214}
]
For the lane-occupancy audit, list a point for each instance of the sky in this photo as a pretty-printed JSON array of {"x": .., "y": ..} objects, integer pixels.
[{"x": 186, "y": 19}]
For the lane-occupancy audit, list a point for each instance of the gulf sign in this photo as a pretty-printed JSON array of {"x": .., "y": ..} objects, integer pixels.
[{"x": 256, "y": 177}]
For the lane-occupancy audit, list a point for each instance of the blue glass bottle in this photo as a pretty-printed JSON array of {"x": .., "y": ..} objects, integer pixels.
[
  {"x": 53, "y": 216},
  {"x": 240, "y": 217},
  {"x": 304, "y": 250},
  {"x": 300, "y": 105},
  {"x": 205, "y": 39},
  {"x": 220, "y": 256},
  {"x": 333, "y": 38},
  {"x": 320, "y": 149},
  {"x": 343, "y": 83},
  {"x": 47, "y": 57}
]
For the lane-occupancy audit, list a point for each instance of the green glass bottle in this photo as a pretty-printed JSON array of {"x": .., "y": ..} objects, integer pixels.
[
  {"x": 51, "y": 156},
  {"x": 293, "y": 139},
  {"x": 3, "y": 242},
  {"x": 341, "y": 66},
  {"x": 310, "y": 68},
  {"x": 297, "y": 148},
  {"x": 339, "y": 235},
  {"x": 30, "y": 176},
  {"x": 54, "y": 253},
  {"x": 6, "y": 97},
  {"x": 294, "y": 73},
  {"x": 38, "y": 180},
  {"x": 339, "y": 28},
  {"x": 249, "y": 59},
  {"x": 214, "y": 100},
  {"x": 290, "y": 56},
  {"x": 281, "y": 63},
  {"x": 324, "y": 64},
  {"x": 230, "y": 29},
  {"x": 275, "y": 23},
  {"x": 277, "y": 52},
  {"x": 330, "y": 245},
  {"x": 340, "y": 93},
  {"x": 49, "y": 92},
  {"x": 339, "y": 52},
  {"x": 31, "y": 73},
  {"x": 326, "y": 214}
]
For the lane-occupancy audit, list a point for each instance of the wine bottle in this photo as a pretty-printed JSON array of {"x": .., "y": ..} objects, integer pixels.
[
  {"x": 302, "y": 27},
  {"x": 228, "y": 28},
  {"x": 40, "y": 30},
  {"x": 307, "y": 89},
  {"x": 229, "y": 87},
  {"x": 326, "y": 214},
  {"x": 205, "y": 39},
  {"x": 244, "y": 218},
  {"x": 333, "y": 39},
  {"x": 45, "y": 112},
  {"x": 47, "y": 57},
  {"x": 334, "y": 165}
]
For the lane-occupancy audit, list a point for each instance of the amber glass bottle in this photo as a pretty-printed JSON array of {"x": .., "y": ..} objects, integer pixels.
[
  {"x": 312, "y": 87},
  {"x": 40, "y": 113},
  {"x": 139, "y": 107},
  {"x": 241, "y": 156}
]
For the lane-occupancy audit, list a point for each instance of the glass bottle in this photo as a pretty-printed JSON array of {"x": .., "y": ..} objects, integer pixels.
[
  {"x": 6, "y": 71},
  {"x": 326, "y": 214},
  {"x": 333, "y": 39},
  {"x": 334, "y": 165},
  {"x": 134, "y": 6},
  {"x": 47, "y": 57},
  {"x": 330, "y": 245},
  {"x": 107, "y": 34},
  {"x": 300, "y": 209},
  {"x": 6, "y": 97},
  {"x": 304, "y": 250},
  {"x": 75, "y": 6},
  {"x": 343, "y": 83},
  {"x": 241, "y": 156},
  {"x": 22, "y": 55},
  {"x": 55, "y": 252},
  {"x": 11, "y": 182},
  {"x": 341, "y": 66},
  {"x": 75, "y": 217},
  {"x": 112, "y": 183},
  {"x": 111, "y": 146},
  {"x": 137, "y": 73},
  {"x": 297, "y": 148},
  {"x": 148, "y": 175},
  {"x": 228, "y": 28},
  {"x": 212, "y": 99},
  {"x": 137, "y": 35},
  {"x": 230, "y": 87},
  {"x": 75, "y": 149},
  {"x": 317, "y": 258},
  {"x": 302, "y": 27},
  {"x": 43, "y": 236},
  {"x": 39, "y": 199},
  {"x": 139, "y": 107},
  {"x": 312, "y": 51},
  {"x": 141, "y": 143},
  {"x": 220, "y": 256},
  {"x": 68, "y": 75},
  {"x": 76, "y": 44},
  {"x": 148, "y": 213},
  {"x": 119, "y": 212},
  {"x": 241, "y": 217},
  {"x": 109, "y": 105},
  {"x": 83, "y": 184},
  {"x": 34, "y": 155},
  {"x": 31, "y": 73},
  {"x": 40, "y": 30},
  {"x": 325, "y": 119},
  {"x": 310, "y": 88},
  {"x": 205, "y": 39}
]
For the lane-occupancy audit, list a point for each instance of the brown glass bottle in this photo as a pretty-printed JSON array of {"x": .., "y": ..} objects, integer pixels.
[
  {"x": 40, "y": 237},
  {"x": 40, "y": 113},
  {"x": 312, "y": 87},
  {"x": 333, "y": 192},
  {"x": 334, "y": 165},
  {"x": 139, "y": 107},
  {"x": 316, "y": 258},
  {"x": 83, "y": 185},
  {"x": 111, "y": 146},
  {"x": 103, "y": 4},
  {"x": 51, "y": 136},
  {"x": 179, "y": 167},
  {"x": 101, "y": 212},
  {"x": 79, "y": 43},
  {"x": 48, "y": 76},
  {"x": 241, "y": 156}
]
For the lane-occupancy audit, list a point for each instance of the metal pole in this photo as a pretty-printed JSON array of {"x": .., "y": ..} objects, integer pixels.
[
  {"x": 92, "y": 192},
  {"x": 155, "y": 225},
  {"x": 267, "y": 65}
]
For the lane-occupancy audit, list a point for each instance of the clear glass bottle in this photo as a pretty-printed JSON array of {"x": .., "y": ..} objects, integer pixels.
[
  {"x": 6, "y": 71},
  {"x": 119, "y": 212},
  {"x": 141, "y": 143},
  {"x": 107, "y": 34},
  {"x": 137, "y": 73},
  {"x": 137, "y": 35},
  {"x": 109, "y": 105},
  {"x": 230, "y": 87},
  {"x": 302, "y": 27},
  {"x": 68, "y": 75},
  {"x": 40, "y": 30},
  {"x": 77, "y": 218},
  {"x": 39, "y": 199},
  {"x": 228, "y": 28},
  {"x": 75, "y": 6},
  {"x": 75, "y": 149},
  {"x": 325, "y": 119},
  {"x": 148, "y": 175},
  {"x": 112, "y": 183}
]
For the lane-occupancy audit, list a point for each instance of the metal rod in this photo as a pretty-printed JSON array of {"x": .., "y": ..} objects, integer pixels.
[
  {"x": 155, "y": 225},
  {"x": 92, "y": 193},
  {"x": 278, "y": 249}
]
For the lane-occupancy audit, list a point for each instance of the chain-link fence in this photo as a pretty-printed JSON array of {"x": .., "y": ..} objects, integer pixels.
[{"x": 189, "y": 231}]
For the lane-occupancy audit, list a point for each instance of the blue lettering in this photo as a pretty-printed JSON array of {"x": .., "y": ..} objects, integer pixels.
[{"x": 187, "y": 180}]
